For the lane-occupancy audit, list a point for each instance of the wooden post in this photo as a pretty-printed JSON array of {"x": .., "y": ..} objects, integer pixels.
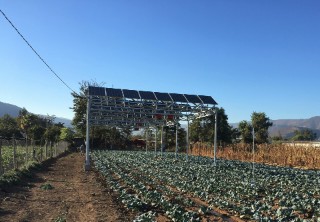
[
  {"x": 33, "y": 150},
  {"x": 51, "y": 151},
  {"x": 1, "y": 168},
  {"x": 46, "y": 149},
  {"x": 41, "y": 151},
  {"x": 27, "y": 150},
  {"x": 14, "y": 153}
]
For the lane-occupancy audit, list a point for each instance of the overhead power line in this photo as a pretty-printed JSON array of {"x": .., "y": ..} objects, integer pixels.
[{"x": 37, "y": 53}]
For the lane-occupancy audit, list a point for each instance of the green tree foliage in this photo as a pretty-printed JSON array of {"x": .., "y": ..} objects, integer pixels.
[
  {"x": 66, "y": 134},
  {"x": 9, "y": 127},
  {"x": 245, "y": 129},
  {"x": 52, "y": 133},
  {"x": 203, "y": 129},
  {"x": 80, "y": 109},
  {"x": 79, "y": 120},
  {"x": 261, "y": 124},
  {"x": 101, "y": 136},
  {"x": 33, "y": 126},
  {"x": 304, "y": 135},
  {"x": 235, "y": 134}
]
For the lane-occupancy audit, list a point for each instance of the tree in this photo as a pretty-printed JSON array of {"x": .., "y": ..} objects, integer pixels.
[
  {"x": 52, "y": 133},
  {"x": 80, "y": 107},
  {"x": 66, "y": 134},
  {"x": 261, "y": 124},
  {"x": 304, "y": 135},
  {"x": 203, "y": 129},
  {"x": 235, "y": 134},
  {"x": 98, "y": 134},
  {"x": 25, "y": 121},
  {"x": 245, "y": 129},
  {"x": 9, "y": 127}
]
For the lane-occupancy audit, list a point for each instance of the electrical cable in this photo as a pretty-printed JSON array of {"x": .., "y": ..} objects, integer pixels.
[{"x": 37, "y": 53}]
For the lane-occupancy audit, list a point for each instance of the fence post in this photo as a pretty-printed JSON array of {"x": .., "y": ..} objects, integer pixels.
[
  {"x": 41, "y": 150},
  {"x": 33, "y": 150},
  {"x": 14, "y": 153},
  {"x": 46, "y": 149},
  {"x": 27, "y": 150},
  {"x": 1, "y": 168},
  {"x": 51, "y": 151}
]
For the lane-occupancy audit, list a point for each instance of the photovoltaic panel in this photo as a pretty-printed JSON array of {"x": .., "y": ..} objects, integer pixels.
[
  {"x": 178, "y": 97},
  {"x": 163, "y": 96},
  {"x": 147, "y": 95},
  {"x": 114, "y": 92},
  {"x": 131, "y": 94},
  {"x": 208, "y": 100},
  {"x": 192, "y": 98},
  {"x": 96, "y": 91}
]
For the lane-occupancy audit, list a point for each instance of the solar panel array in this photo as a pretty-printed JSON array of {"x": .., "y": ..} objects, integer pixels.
[
  {"x": 133, "y": 108},
  {"x": 148, "y": 95}
]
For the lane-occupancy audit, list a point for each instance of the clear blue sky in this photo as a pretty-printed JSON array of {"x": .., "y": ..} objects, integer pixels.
[{"x": 261, "y": 56}]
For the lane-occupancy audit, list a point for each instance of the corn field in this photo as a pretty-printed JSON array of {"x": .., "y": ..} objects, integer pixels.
[{"x": 272, "y": 154}]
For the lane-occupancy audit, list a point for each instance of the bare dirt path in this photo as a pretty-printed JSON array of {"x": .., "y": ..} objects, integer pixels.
[{"x": 76, "y": 196}]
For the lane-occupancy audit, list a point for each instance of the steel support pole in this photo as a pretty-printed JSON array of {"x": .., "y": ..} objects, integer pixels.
[
  {"x": 87, "y": 163},
  {"x": 147, "y": 140},
  {"x": 253, "y": 155},
  {"x": 162, "y": 141},
  {"x": 177, "y": 127},
  {"x": 156, "y": 140},
  {"x": 215, "y": 136},
  {"x": 187, "y": 139}
]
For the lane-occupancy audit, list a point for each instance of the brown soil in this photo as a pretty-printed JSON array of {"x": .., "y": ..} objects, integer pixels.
[{"x": 76, "y": 195}]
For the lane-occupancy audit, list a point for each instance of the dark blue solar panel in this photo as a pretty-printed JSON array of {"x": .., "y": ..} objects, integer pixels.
[
  {"x": 163, "y": 96},
  {"x": 114, "y": 92},
  {"x": 147, "y": 95},
  {"x": 96, "y": 91},
  {"x": 192, "y": 98},
  {"x": 131, "y": 94},
  {"x": 208, "y": 100},
  {"x": 178, "y": 97}
]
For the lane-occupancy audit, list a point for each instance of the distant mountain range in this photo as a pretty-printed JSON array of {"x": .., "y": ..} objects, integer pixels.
[
  {"x": 13, "y": 110},
  {"x": 283, "y": 127},
  {"x": 286, "y": 127}
]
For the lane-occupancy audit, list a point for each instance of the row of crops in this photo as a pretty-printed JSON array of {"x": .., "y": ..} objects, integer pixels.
[{"x": 193, "y": 190}]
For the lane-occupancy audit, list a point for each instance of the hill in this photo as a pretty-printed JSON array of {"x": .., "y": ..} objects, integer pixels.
[
  {"x": 13, "y": 110},
  {"x": 6, "y": 108},
  {"x": 286, "y": 127}
]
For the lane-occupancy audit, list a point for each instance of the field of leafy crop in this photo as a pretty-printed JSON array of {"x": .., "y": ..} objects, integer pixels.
[{"x": 193, "y": 190}]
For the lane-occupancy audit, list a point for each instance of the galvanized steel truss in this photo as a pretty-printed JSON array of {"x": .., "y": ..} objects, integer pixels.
[{"x": 123, "y": 108}]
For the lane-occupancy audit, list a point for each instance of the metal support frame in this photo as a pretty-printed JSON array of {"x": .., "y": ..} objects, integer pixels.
[
  {"x": 87, "y": 163},
  {"x": 135, "y": 109},
  {"x": 156, "y": 140},
  {"x": 147, "y": 139},
  {"x": 187, "y": 139},
  {"x": 215, "y": 137},
  {"x": 253, "y": 153},
  {"x": 177, "y": 128},
  {"x": 162, "y": 144}
]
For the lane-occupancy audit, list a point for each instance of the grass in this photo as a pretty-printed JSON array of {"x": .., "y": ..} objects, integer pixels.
[
  {"x": 273, "y": 154},
  {"x": 15, "y": 176}
]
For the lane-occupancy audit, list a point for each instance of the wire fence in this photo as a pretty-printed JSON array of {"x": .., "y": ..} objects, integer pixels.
[{"x": 16, "y": 153}]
